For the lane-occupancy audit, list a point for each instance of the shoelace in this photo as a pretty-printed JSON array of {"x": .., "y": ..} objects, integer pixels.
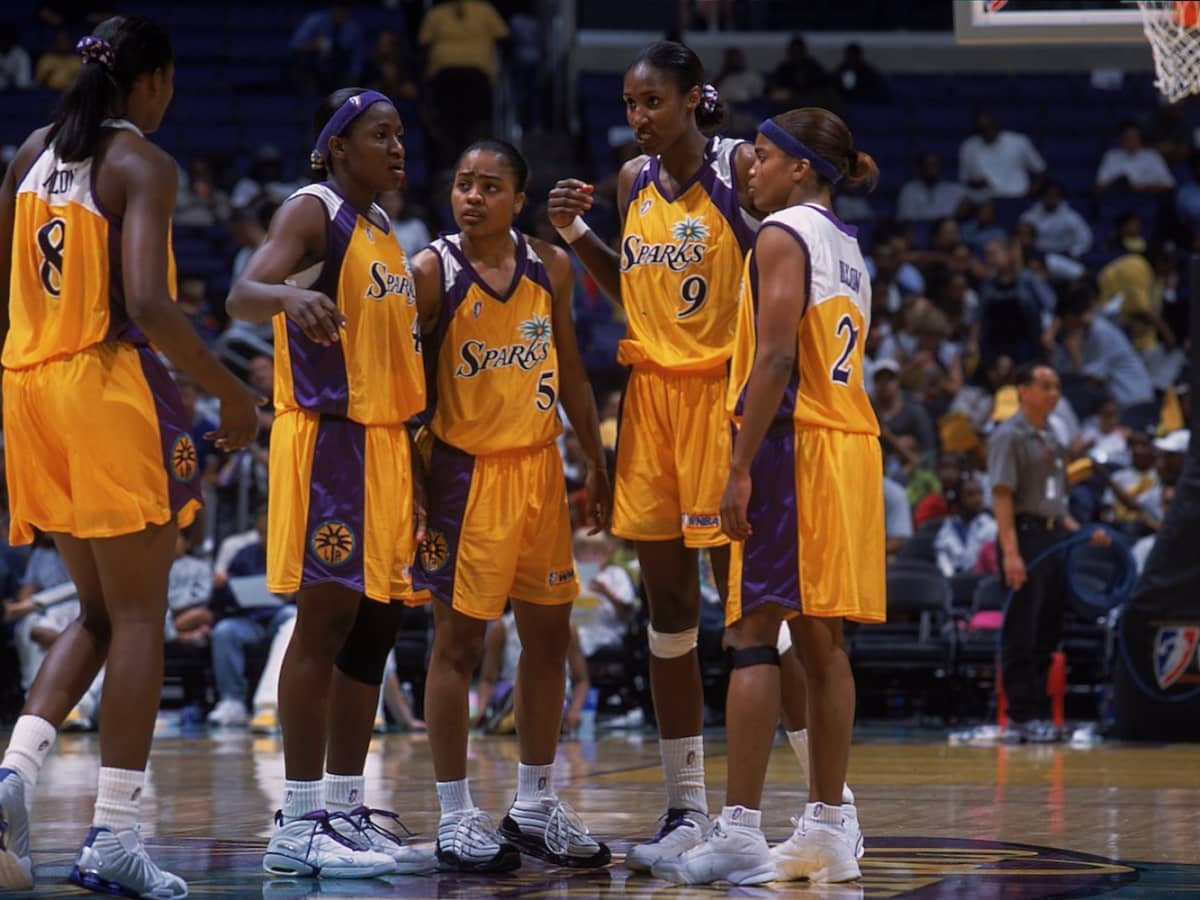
[
  {"x": 678, "y": 820},
  {"x": 363, "y": 816},
  {"x": 562, "y": 825},
  {"x": 322, "y": 823},
  {"x": 474, "y": 824}
]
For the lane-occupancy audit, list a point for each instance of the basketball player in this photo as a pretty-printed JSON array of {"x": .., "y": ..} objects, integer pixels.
[
  {"x": 686, "y": 229},
  {"x": 97, "y": 446},
  {"x": 348, "y": 375},
  {"x": 500, "y": 527},
  {"x": 804, "y": 499}
]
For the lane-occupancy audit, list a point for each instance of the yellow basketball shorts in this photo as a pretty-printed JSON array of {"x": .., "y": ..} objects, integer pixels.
[
  {"x": 340, "y": 506},
  {"x": 816, "y": 513},
  {"x": 97, "y": 445},
  {"x": 673, "y": 450},
  {"x": 499, "y": 527}
]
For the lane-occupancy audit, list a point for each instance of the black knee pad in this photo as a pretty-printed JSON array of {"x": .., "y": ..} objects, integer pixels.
[
  {"x": 751, "y": 656},
  {"x": 363, "y": 656}
]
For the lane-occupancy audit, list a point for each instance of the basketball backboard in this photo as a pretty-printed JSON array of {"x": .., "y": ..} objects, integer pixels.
[{"x": 1047, "y": 22}]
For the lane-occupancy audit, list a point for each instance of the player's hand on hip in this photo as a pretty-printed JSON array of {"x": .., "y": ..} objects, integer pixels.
[
  {"x": 569, "y": 198},
  {"x": 239, "y": 419},
  {"x": 734, "y": 504},
  {"x": 318, "y": 317},
  {"x": 1015, "y": 575},
  {"x": 599, "y": 498}
]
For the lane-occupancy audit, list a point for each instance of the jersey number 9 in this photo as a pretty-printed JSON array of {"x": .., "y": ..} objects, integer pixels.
[{"x": 693, "y": 292}]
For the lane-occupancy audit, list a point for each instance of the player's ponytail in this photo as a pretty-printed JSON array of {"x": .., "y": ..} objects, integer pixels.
[
  {"x": 114, "y": 55},
  {"x": 825, "y": 134},
  {"x": 684, "y": 66}
]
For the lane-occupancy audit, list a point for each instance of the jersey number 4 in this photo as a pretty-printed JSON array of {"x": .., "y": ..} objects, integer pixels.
[
  {"x": 51, "y": 239},
  {"x": 840, "y": 372}
]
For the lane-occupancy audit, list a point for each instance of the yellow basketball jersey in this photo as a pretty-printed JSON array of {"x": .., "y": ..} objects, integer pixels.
[
  {"x": 681, "y": 259},
  {"x": 497, "y": 368},
  {"x": 65, "y": 290},
  {"x": 826, "y": 389},
  {"x": 374, "y": 375}
]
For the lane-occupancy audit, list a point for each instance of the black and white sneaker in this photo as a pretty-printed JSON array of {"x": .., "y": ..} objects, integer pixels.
[
  {"x": 552, "y": 831},
  {"x": 468, "y": 842}
]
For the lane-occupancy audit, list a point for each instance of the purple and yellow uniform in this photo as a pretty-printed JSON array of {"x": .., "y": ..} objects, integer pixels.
[
  {"x": 97, "y": 443},
  {"x": 816, "y": 506},
  {"x": 341, "y": 475},
  {"x": 499, "y": 525},
  {"x": 681, "y": 261}
]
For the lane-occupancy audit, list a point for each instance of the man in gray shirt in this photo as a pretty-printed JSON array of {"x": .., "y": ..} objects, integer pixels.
[{"x": 1027, "y": 472}]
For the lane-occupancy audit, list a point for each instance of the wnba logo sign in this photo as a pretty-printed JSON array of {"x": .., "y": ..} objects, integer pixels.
[{"x": 1174, "y": 647}]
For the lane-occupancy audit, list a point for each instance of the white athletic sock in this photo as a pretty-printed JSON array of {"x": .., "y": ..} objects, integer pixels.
[
  {"x": 118, "y": 798},
  {"x": 683, "y": 768},
  {"x": 31, "y": 742},
  {"x": 742, "y": 816},
  {"x": 823, "y": 812},
  {"x": 300, "y": 798},
  {"x": 535, "y": 783},
  {"x": 343, "y": 792},
  {"x": 454, "y": 796},
  {"x": 799, "y": 742}
]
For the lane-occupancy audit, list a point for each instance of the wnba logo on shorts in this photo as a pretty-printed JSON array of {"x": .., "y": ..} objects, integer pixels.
[
  {"x": 333, "y": 542},
  {"x": 694, "y": 520},
  {"x": 183, "y": 458},
  {"x": 562, "y": 576},
  {"x": 434, "y": 552}
]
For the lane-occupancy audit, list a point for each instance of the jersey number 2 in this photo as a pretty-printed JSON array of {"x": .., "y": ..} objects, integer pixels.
[
  {"x": 546, "y": 395},
  {"x": 841, "y": 369},
  {"x": 51, "y": 239}
]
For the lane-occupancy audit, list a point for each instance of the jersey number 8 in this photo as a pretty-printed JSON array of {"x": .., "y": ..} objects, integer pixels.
[{"x": 51, "y": 239}]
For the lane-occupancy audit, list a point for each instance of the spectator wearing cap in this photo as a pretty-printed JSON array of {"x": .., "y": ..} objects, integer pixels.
[
  {"x": 1091, "y": 347},
  {"x": 898, "y": 413},
  {"x": 1027, "y": 472},
  {"x": 1172, "y": 450}
]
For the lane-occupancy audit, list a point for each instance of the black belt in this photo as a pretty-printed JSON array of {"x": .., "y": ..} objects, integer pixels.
[{"x": 1049, "y": 523}]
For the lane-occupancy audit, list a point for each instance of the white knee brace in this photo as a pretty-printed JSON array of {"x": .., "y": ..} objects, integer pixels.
[{"x": 673, "y": 645}]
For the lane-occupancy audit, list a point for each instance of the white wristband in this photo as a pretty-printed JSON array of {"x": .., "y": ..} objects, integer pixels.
[{"x": 573, "y": 232}]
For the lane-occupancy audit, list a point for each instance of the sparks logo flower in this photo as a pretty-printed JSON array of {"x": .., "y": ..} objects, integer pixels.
[
  {"x": 691, "y": 229},
  {"x": 535, "y": 329}
]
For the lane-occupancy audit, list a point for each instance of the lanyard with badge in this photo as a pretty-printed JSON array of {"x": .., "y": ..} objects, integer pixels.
[{"x": 1049, "y": 455}]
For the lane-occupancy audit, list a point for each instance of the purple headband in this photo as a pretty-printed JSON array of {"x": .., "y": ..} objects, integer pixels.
[
  {"x": 793, "y": 147},
  {"x": 340, "y": 121},
  {"x": 94, "y": 49}
]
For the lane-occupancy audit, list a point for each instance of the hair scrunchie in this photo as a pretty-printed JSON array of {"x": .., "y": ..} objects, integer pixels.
[
  {"x": 94, "y": 49},
  {"x": 709, "y": 96}
]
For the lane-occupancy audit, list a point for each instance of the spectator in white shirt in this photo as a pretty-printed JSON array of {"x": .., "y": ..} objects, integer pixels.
[
  {"x": 16, "y": 71},
  {"x": 737, "y": 82},
  {"x": 1133, "y": 166},
  {"x": 1060, "y": 229},
  {"x": 927, "y": 197},
  {"x": 966, "y": 531},
  {"x": 607, "y": 597},
  {"x": 999, "y": 163}
]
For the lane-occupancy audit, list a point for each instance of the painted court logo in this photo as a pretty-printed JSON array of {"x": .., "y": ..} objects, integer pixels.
[
  {"x": 183, "y": 458},
  {"x": 434, "y": 551},
  {"x": 333, "y": 542}
]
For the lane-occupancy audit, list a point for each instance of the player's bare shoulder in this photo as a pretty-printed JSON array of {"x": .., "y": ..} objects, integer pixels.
[{"x": 554, "y": 258}]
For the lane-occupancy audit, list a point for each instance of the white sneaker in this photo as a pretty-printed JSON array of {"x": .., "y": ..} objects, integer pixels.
[
  {"x": 310, "y": 846},
  {"x": 230, "y": 713},
  {"x": 409, "y": 858},
  {"x": 819, "y": 851},
  {"x": 116, "y": 862},
  {"x": 469, "y": 842},
  {"x": 16, "y": 866},
  {"x": 735, "y": 853},
  {"x": 552, "y": 831},
  {"x": 682, "y": 830}
]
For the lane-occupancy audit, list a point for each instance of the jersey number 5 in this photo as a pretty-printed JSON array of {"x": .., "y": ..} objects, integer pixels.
[
  {"x": 841, "y": 369},
  {"x": 547, "y": 396},
  {"x": 51, "y": 239}
]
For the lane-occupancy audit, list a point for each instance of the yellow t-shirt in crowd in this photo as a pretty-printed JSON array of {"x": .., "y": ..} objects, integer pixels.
[{"x": 462, "y": 34}]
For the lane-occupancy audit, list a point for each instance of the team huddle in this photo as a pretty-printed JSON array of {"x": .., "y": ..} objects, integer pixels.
[{"x": 414, "y": 459}]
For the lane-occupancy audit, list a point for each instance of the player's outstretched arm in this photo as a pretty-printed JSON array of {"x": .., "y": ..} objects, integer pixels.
[
  {"x": 575, "y": 391},
  {"x": 295, "y": 241},
  {"x": 150, "y": 177}
]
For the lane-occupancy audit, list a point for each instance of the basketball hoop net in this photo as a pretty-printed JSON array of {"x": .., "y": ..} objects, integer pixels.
[{"x": 1173, "y": 29}]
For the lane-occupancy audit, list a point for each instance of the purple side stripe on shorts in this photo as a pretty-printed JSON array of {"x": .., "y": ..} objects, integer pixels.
[
  {"x": 336, "y": 504},
  {"x": 180, "y": 459},
  {"x": 771, "y": 561},
  {"x": 451, "y": 471}
]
